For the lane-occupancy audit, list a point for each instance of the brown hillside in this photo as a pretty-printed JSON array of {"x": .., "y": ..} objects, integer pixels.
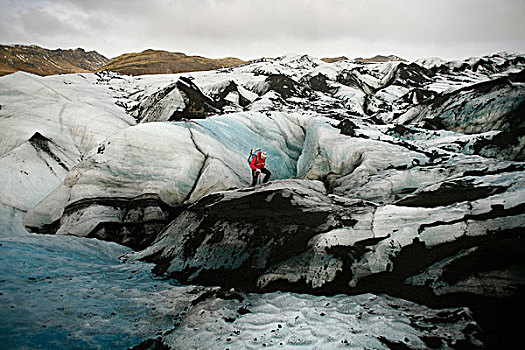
[
  {"x": 41, "y": 61},
  {"x": 164, "y": 62},
  {"x": 334, "y": 59},
  {"x": 379, "y": 58}
]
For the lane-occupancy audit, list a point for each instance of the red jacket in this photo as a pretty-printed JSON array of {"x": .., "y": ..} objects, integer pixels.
[{"x": 257, "y": 162}]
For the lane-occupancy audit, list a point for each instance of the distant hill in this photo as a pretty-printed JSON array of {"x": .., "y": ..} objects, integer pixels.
[
  {"x": 164, "y": 62},
  {"x": 334, "y": 59},
  {"x": 379, "y": 58},
  {"x": 41, "y": 61}
]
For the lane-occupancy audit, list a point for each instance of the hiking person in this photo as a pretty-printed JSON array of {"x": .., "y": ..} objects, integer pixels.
[{"x": 257, "y": 162}]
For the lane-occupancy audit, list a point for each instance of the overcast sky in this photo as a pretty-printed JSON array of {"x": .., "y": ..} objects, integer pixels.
[{"x": 249, "y": 29}]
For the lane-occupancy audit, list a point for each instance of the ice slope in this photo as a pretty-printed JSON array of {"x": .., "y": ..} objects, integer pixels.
[{"x": 47, "y": 126}]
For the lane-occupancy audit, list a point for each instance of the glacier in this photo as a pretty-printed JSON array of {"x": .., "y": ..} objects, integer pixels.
[{"x": 128, "y": 219}]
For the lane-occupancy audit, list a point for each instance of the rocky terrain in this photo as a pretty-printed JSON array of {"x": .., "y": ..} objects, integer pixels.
[
  {"x": 396, "y": 206},
  {"x": 41, "y": 61}
]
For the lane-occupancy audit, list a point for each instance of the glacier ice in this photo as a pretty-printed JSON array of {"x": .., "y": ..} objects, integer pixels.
[{"x": 389, "y": 173}]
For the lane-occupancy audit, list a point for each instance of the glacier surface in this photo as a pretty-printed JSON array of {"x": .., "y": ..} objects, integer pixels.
[{"x": 399, "y": 178}]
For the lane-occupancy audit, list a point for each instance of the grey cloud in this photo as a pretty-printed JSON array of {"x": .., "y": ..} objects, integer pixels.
[
  {"x": 39, "y": 22},
  {"x": 247, "y": 28}
]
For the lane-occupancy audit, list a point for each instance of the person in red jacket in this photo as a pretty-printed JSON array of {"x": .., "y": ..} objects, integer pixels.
[{"x": 257, "y": 165}]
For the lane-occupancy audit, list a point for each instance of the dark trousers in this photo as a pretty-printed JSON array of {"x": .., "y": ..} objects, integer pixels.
[{"x": 266, "y": 173}]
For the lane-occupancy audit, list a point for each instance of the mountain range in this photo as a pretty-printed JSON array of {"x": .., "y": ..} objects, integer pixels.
[
  {"x": 41, "y": 61},
  {"x": 37, "y": 60}
]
